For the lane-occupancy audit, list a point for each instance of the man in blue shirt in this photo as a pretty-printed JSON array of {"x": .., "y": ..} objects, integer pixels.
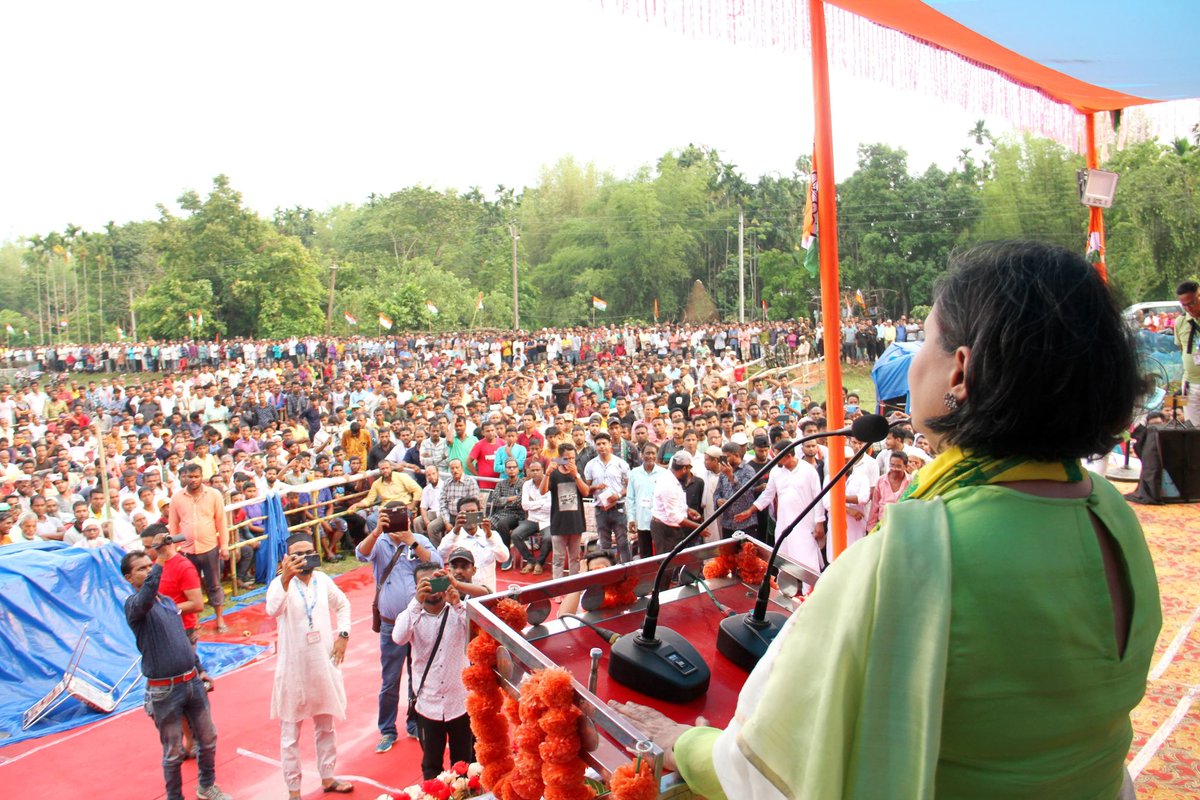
[
  {"x": 393, "y": 556},
  {"x": 174, "y": 689}
]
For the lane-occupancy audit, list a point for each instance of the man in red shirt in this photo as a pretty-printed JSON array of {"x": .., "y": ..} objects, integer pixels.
[
  {"x": 180, "y": 581},
  {"x": 482, "y": 460}
]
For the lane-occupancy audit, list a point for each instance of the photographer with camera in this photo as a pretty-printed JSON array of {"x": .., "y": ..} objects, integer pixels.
[
  {"x": 393, "y": 551},
  {"x": 473, "y": 531},
  {"x": 435, "y": 626},
  {"x": 308, "y": 676}
]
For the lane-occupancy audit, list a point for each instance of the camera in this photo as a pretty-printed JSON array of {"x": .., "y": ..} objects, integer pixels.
[
  {"x": 396, "y": 518},
  {"x": 473, "y": 517},
  {"x": 311, "y": 562}
]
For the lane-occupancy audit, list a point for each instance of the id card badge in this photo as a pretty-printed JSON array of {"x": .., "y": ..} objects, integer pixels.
[
  {"x": 646, "y": 502},
  {"x": 314, "y": 637}
]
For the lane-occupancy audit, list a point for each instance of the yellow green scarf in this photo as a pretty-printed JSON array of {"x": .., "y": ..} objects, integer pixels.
[{"x": 956, "y": 468}]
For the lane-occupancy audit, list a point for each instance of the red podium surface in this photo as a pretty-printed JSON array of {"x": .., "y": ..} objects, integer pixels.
[{"x": 566, "y": 643}]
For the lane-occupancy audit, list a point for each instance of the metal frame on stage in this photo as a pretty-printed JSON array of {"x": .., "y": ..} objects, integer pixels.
[{"x": 525, "y": 651}]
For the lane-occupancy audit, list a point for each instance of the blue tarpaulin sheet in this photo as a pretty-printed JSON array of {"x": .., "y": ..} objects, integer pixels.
[
  {"x": 48, "y": 593},
  {"x": 272, "y": 551},
  {"x": 890, "y": 373}
]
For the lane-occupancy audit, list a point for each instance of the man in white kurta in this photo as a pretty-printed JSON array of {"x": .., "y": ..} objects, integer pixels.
[
  {"x": 308, "y": 676},
  {"x": 792, "y": 485}
]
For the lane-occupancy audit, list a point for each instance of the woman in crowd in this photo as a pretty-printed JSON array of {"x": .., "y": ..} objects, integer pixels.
[{"x": 990, "y": 640}]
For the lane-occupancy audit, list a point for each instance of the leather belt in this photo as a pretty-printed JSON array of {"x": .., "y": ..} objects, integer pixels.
[
  {"x": 388, "y": 620},
  {"x": 184, "y": 678}
]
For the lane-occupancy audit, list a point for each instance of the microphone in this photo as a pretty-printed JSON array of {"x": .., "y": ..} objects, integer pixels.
[
  {"x": 662, "y": 663},
  {"x": 744, "y": 638}
]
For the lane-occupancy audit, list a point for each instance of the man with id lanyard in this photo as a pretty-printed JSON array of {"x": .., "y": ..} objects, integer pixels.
[
  {"x": 308, "y": 675},
  {"x": 608, "y": 477}
]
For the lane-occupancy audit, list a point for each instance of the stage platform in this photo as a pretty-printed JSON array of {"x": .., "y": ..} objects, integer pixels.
[{"x": 118, "y": 757}]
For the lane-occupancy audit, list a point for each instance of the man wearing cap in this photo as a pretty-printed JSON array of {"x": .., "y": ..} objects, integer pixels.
[
  {"x": 174, "y": 691},
  {"x": 393, "y": 556},
  {"x": 677, "y": 501},
  {"x": 180, "y": 582},
  {"x": 712, "y": 474},
  {"x": 734, "y": 474},
  {"x": 435, "y": 625},
  {"x": 308, "y": 675},
  {"x": 608, "y": 477}
]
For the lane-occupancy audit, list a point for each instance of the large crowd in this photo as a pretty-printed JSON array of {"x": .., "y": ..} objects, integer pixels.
[{"x": 473, "y": 454}]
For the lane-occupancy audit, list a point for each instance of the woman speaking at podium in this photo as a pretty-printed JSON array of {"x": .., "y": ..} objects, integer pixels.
[{"x": 991, "y": 637}]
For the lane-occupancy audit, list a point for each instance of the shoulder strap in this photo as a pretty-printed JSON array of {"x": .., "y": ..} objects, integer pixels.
[
  {"x": 387, "y": 571},
  {"x": 436, "y": 643}
]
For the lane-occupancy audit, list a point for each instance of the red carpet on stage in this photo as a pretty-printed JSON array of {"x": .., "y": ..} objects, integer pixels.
[{"x": 120, "y": 757}]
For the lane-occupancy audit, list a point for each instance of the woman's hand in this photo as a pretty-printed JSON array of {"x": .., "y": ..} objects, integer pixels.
[{"x": 658, "y": 727}]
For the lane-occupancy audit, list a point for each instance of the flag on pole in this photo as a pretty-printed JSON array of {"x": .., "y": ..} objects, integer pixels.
[
  {"x": 808, "y": 236},
  {"x": 479, "y": 302},
  {"x": 656, "y": 309},
  {"x": 191, "y": 320},
  {"x": 199, "y": 319},
  {"x": 9, "y": 328},
  {"x": 385, "y": 321},
  {"x": 858, "y": 297},
  {"x": 26, "y": 332},
  {"x": 1093, "y": 248},
  {"x": 598, "y": 304},
  {"x": 764, "y": 304},
  {"x": 350, "y": 319},
  {"x": 431, "y": 308},
  {"x": 62, "y": 323},
  {"x": 120, "y": 334}
]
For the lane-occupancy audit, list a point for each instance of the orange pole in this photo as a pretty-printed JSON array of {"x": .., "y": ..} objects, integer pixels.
[
  {"x": 1095, "y": 214},
  {"x": 828, "y": 244}
]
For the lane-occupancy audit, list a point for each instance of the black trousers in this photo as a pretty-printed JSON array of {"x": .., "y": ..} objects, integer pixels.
[{"x": 434, "y": 734}]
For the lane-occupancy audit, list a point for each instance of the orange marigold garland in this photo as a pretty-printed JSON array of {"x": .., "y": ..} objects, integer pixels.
[
  {"x": 744, "y": 562},
  {"x": 634, "y": 781},
  {"x": 526, "y": 780},
  {"x": 486, "y": 703},
  {"x": 562, "y": 768},
  {"x": 620, "y": 594}
]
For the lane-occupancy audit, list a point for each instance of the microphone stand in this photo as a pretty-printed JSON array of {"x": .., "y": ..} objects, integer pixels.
[
  {"x": 660, "y": 662},
  {"x": 744, "y": 638}
]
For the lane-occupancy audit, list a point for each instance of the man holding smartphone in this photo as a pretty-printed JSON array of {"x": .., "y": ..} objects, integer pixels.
[
  {"x": 393, "y": 555},
  {"x": 308, "y": 675},
  {"x": 435, "y": 625},
  {"x": 473, "y": 532},
  {"x": 566, "y": 489}
]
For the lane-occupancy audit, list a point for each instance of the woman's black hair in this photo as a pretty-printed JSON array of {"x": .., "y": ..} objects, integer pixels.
[{"x": 1053, "y": 371}]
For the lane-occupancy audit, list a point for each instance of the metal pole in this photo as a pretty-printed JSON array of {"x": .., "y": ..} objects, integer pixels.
[
  {"x": 828, "y": 244},
  {"x": 741, "y": 265},
  {"x": 132, "y": 317},
  {"x": 329, "y": 311},
  {"x": 512, "y": 229}
]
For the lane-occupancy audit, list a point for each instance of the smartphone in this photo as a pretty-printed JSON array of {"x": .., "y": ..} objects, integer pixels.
[
  {"x": 473, "y": 517},
  {"x": 311, "y": 562},
  {"x": 441, "y": 584},
  {"x": 562, "y": 462}
]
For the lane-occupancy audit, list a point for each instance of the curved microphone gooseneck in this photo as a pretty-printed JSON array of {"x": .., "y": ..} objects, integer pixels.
[
  {"x": 744, "y": 638},
  {"x": 662, "y": 663}
]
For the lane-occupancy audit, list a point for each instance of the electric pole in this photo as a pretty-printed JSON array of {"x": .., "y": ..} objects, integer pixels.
[
  {"x": 329, "y": 311},
  {"x": 512, "y": 229},
  {"x": 741, "y": 266}
]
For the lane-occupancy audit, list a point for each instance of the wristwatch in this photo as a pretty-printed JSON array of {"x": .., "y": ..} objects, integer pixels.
[{"x": 343, "y": 634}]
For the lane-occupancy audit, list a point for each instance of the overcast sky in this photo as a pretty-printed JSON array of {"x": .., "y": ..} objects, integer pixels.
[{"x": 114, "y": 107}]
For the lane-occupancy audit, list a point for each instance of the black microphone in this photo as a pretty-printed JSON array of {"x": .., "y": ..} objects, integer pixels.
[
  {"x": 662, "y": 663},
  {"x": 744, "y": 638}
]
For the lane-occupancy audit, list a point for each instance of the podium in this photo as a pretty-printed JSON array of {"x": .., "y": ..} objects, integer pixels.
[
  {"x": 566, "y": 643},
  {"x": 83, "y": 686}
]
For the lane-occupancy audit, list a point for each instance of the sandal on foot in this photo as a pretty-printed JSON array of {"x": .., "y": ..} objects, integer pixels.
[{"x": 338, "y": 787}]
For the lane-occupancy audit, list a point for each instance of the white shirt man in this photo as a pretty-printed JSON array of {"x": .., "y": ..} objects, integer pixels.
[
  {"x": 793, "y": 485},
  {"x": 484, "y": 543}
]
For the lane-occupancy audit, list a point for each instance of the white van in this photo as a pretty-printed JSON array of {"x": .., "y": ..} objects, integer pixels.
[{"x": 1153, "y": 307}]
